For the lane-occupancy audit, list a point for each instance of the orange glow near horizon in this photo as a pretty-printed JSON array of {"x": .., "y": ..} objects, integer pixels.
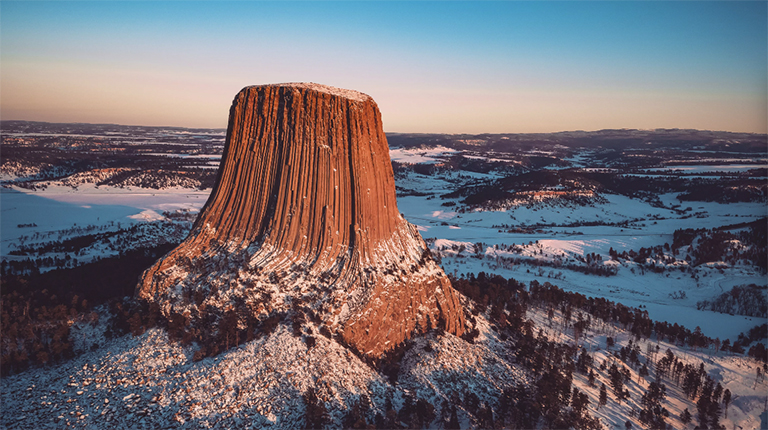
[{"x": 503, "y": 67}]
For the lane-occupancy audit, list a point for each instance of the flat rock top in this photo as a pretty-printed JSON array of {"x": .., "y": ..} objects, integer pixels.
[{"x": 340, "y": 92}]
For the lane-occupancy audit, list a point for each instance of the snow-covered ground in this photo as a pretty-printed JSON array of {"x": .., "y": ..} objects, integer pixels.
[
  {"x": 550, "y": 229},
  {"x": 419, "y": 155},
  {"x": 57, "y": 212},
  {"x": 647, "y": 226},
  {"x": 736, "y": 374},
  {"x": 148, "y": 381}
]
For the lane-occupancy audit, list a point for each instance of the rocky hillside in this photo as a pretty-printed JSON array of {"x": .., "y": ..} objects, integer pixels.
[{"x": 151, "y": 382}]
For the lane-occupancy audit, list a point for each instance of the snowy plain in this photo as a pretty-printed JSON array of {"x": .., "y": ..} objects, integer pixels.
[
  {"x": 148, "y": 381},
  {"x": 59, "y": 208}
]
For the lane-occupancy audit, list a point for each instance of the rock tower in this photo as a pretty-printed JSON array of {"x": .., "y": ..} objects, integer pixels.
[{"x": 304, "y": 211}]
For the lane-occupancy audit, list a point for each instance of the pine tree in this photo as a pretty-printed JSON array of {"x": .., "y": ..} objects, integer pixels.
[
  {"x": 315, "y": 415},
  {"x": 485, "y": 417},
  {"x": 653, "y": 413},
  {"x": 424, "y": 413},
  {"x": 228, "y": 329},
  {"x": 453, "y": 422},
  {"x": 603, "y": 395},
  {"x": 134, "y": 322},
  {"x": 717, "y": 393},
  {"x": 405, "y": 414},
  {"x": 726, "y": 400},
  {"x": 579, "y": 402},
  {"x": 685, "y": 416},
  {"x": 617, "y": 382},
  {"x": 704, "y": 404},
  {"x": 356, "y": 415},
  {"x": 644, "y": 371}
]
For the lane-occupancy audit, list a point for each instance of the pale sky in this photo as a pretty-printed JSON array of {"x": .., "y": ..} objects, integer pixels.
[{"x": 442, "y": 67}]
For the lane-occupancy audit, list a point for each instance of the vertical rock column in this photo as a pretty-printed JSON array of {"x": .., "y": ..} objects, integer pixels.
[{"x": 305, "y": 194}]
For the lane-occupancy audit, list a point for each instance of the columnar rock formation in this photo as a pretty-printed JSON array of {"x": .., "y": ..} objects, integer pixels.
[{"x": 304, "y": 211}]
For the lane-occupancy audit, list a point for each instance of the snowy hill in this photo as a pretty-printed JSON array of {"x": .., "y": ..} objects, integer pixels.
[{"x": 148, "y": 381}]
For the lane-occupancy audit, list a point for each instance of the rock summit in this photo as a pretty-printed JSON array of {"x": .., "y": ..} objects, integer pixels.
[{"x": 304, "y": 213}]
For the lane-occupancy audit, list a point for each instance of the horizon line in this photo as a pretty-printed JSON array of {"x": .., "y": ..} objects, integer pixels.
[{"x": 414, "y": 132}]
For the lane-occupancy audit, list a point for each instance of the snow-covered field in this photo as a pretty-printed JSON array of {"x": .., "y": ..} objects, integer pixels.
[
  {"x": 149, "y": 382},
  {"x": 550, "y": 230},
  {"x": 418, "y": 155},
  {"x": 649, "y": 226},
  {"x": 62, "y": 212}
]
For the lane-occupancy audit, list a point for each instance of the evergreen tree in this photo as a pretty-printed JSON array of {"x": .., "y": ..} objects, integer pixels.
[
  {"x": 652, "y": 413},
  {"x": 315, "y": 414},
  {"x": 485, "y": 417},
  {"x": 390, "y": 418},
  {"x": 617, "y": 382},
  {"x": 579, "y": 402},
  {"x": 603, "y": 395},
  {"x": 228, "y": 329},
  {"x": 685, "y": 416},
  {"x": 134, "y": 322},
  {"x": 704, "y": 405},
  {"x": 453, "y": 422},
  {"x": 691, "y": 382},
  {"x": 644, "y": 371},
  {"x": 518, "y": 408},
  {"x": 378, "y": 421},
  {"x": 717, "y": 393},
  {"x": 424, "y": 413},
  {"x": 356, "y": 415}
]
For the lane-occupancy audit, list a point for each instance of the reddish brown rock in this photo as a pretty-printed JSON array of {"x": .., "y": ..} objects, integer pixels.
[{"x": 304, "y": 210}]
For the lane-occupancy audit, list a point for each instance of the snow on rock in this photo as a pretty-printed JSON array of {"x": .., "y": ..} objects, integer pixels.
[
  {"x": 438, "y": 366},
  {"x": 149, "y": 382}
]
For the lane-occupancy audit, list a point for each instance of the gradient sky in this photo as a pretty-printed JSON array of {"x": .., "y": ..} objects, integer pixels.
[{"x": 445, "y": 67}]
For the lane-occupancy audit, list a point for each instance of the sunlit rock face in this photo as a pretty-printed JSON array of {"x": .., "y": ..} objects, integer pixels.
[{"x": 304, "y": 212}]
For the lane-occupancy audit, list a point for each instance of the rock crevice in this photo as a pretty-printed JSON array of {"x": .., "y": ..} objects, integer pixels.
[{"x": 304, "y": 210}]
